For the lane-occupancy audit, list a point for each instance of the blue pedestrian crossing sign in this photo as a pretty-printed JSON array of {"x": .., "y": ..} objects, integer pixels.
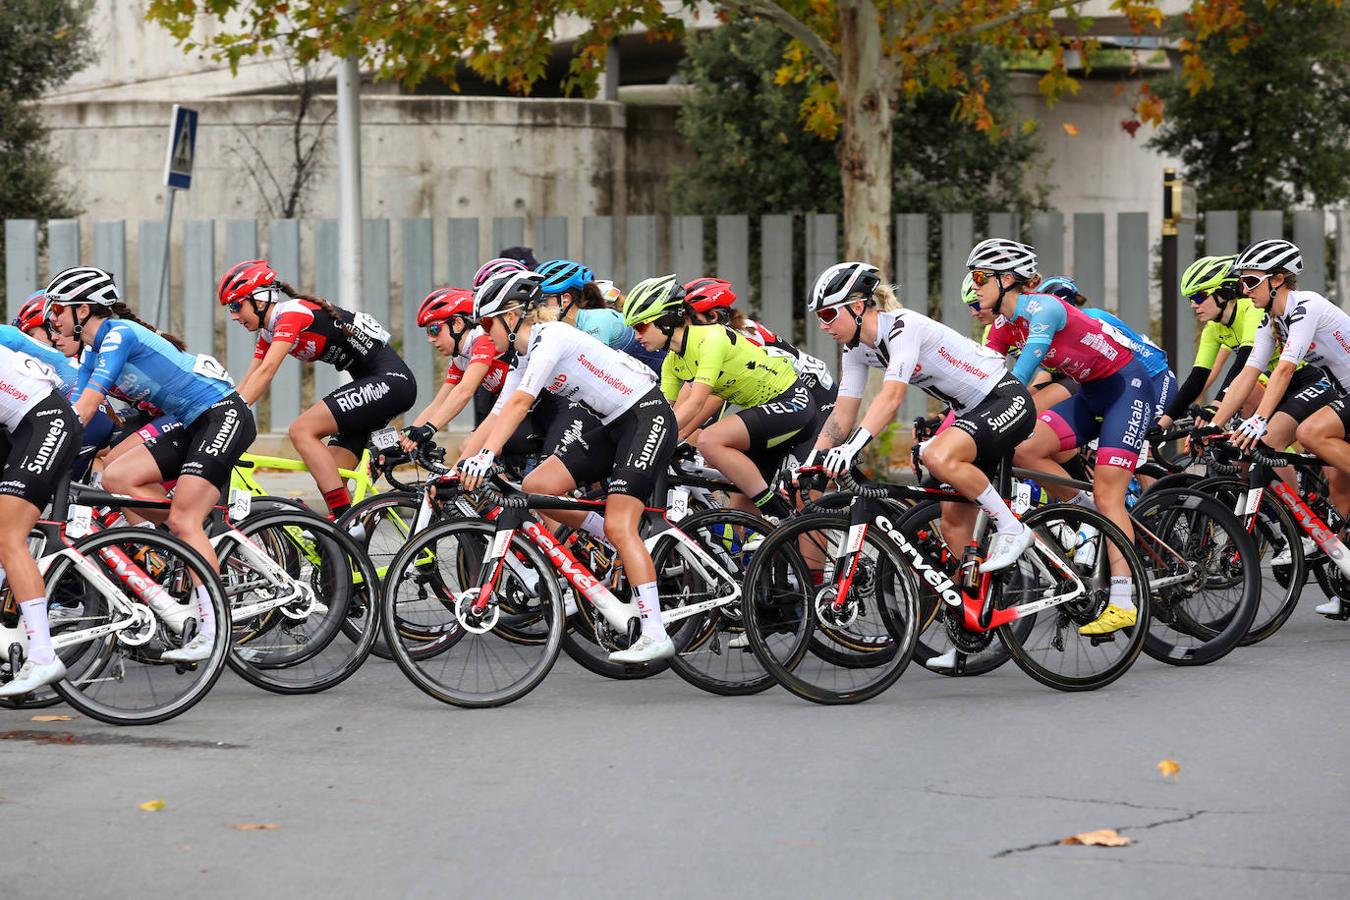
[{"x": 182, "y": 148}]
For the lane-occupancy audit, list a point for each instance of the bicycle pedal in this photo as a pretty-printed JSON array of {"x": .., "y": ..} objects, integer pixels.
[{"x": 1097, "y": 639}]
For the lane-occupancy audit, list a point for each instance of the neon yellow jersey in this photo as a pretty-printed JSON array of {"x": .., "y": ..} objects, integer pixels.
[
  {"x": 738, "y": 370},
  {"x": 1242, "y": 333}
]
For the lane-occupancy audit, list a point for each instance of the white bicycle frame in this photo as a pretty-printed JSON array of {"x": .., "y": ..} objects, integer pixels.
[{"x": 288, "y": 589}]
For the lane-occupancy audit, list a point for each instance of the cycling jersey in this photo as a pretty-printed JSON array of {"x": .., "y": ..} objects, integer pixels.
[
  {"x": 813, "y": 370},
  {"x": 144, "y": 366},
  {"x": 1147, "y": 352},
  {"x": 737, "y": 369},
  {"x": 24, "y": 383},
  {"x": 606, "y": 326},
  {"x": 1313, "y": 329},
  {"x": 1057, "y": 335},
  {"x": 59, "y": 363},
  {"x": 350, "y": 341},
  {"x": 917, "y": 350},
  {"x": 1241, "y": 333},
  {"x": 480, "y": 349},
  {"x": 573, "y": 365}
]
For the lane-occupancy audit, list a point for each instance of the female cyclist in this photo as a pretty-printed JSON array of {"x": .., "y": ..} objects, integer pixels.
[
  {"x": 993, "y": 412},
  {"x": 1114, "y": 403},
  {"x": 218, "y": 427},
  {"x": 570, "y": 288},
  {"x": 632, "y": 446},
  {"x": 713, "y": 360},
  {"x": 447, "y": 315},
  {"x": 311, "y": 329},
  {"x": 39, "y": 436}
]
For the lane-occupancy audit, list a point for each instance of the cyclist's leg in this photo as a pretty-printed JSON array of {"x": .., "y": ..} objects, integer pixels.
[
  {"x": 1324, "y": 433},
  {"x": 140, "y": 470},
  {"x": 754, "y": 441}
]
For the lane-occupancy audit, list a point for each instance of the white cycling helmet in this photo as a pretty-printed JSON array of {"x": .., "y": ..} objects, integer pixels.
[
  {"x": 1271, "y": 256},
  {"x": 1003, "y": 255},
  {"x": 506, "y": 292},
  {"x": 83, "y": 284},
  {"x": 840, "y": 282}
]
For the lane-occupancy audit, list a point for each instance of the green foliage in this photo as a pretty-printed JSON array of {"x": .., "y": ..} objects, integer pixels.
[
  {"x": 1273, "y": 129},
  {"x": 42, "y": 43},
  {"x": 755, "y": 157}
]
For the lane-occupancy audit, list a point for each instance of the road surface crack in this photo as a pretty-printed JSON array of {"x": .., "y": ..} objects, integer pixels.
[{"x": 1122, "y": 829}]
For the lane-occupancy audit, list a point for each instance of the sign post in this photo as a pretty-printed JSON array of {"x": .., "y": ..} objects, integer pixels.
[
  {"x": 178, "y": 162},
  {"x": 1178, "y": 209}
]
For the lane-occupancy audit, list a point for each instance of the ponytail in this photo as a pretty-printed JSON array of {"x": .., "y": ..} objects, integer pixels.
[
  {"x": 343, "y": 325},
  {"x": 122, "y": 311},
  {"x": 886, "y": 298},
  {"x": 591, "y": 298}
]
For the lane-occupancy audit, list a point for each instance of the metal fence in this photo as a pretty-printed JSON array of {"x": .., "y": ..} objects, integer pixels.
[{"x": 404, "y": 259}]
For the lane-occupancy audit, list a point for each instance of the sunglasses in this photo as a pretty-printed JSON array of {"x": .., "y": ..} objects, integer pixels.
[
  {"x": 828, "y": 314},
  {"x": 980, "y": 278},
  {"x": 435, "y": 328},
  {"x": 1198, "y": 297},
  {"x": 235, "y": 305},
  {"x": 641, "y": 327},
  {"x": 1252, "y": 282},
  {"x": 487, "y": 322}
]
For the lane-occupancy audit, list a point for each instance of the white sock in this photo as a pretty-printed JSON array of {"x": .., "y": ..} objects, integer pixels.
[
  {"x": 1083, "y": 498},
  {"x": 1122, "y": 592},
  {"x": 998, "y": 510},
  {"x": 649, "y": 607},
  {"x": 594, "y": 525},
  {"x": 206, "y": 614},
  {"x": 39, "y": 630}
]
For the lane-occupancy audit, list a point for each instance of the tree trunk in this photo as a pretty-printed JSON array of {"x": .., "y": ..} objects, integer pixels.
[{"x": 865, "y": 151}]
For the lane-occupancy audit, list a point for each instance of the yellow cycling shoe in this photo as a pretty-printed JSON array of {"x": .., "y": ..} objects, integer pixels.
[{"x": 1113, "y": 619}]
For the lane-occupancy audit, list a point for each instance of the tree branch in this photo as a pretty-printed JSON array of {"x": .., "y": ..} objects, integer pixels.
[
  {"x": 793, "y": 26},
  {"x": 1000, "y": 21}
]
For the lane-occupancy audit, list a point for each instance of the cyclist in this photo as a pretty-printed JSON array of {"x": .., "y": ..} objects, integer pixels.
[
  {"x": 713, "y": 302},
  {"x": 715, "y": 361},
  {"x": 570, "y": 288},
  {"x": 496, "y": 266},
  {"x": 993, "y": 412},
  {"x": 447, "y": 315},
  {"x": 1230, "y": 321},
  {"x": 311, "y": 329},
  {"x": 1114, "y": 403},
  {"x": 39, "y": 436},
  {"x": 83, "y": 303},
  {"x": 632, "y": 446}
]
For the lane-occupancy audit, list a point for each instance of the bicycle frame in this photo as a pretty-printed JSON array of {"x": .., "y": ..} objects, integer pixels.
[
  {"x": 288, "y": 589},
  {"x": 243, "y": 476},
  {"x": 1260, "y": 478}
]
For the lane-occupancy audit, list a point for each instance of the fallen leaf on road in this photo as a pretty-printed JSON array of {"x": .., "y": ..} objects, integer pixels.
[
  {"x": 152, "y": 805},
  {"x": 51, "y": 718},
  {"x": 1106, "y": 837},
  {"x": 256, "y": 826},
  {"x": 1071, "y": 129},
  {"x": 1169, "y": 768}
]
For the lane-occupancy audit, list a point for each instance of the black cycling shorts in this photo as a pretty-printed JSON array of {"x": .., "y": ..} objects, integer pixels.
[
  {"x": 370, "y": 402},
  {"x": 1003, "y": 419},
  {"x": 40, "y": 450},
  {"x": 776, "y": 427},
  {"x": 483, "y": 401},
  {"x": 805, "y": 441},
  {"x": 633, "y": 450},
  {"x": 551, "y": 425},
  {"x": 1309, "y": 390},
  {"x": 209, "y": 446}
]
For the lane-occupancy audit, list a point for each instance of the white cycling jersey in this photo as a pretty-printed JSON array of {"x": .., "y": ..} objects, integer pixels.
[
  {"x": 914, "y": 349},
  {"x": 24, "y": 383},
  {"x": 576, "y": 367},
  {"x": 1313, "y": 329}
]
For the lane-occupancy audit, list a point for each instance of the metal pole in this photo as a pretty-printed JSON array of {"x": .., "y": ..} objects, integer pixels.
[
  {"x": 349, "y": 180},
  {"x": 1170, "y": 276},
  {"x": 161, "y": 298}
]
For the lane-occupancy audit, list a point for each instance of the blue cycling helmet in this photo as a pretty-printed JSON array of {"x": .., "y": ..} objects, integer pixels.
[
  {"x": 564, "y": 275},
  {"x": 1062, "y": 286}
]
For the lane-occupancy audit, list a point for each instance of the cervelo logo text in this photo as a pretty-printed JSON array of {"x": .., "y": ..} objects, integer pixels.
[
  {"x": 366, "y": 393},
  {"x": 566, "y": 563},
  {"x": 1321, "y": 534},
  {"x": 939, "y": 581},
  {"x": 616, "y": 383},
  {"x": 965, "y": 366}
]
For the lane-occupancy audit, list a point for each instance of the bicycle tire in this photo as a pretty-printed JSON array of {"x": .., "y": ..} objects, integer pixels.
[
  {"x": 85, "y": 689},
  {"x": 1197, "y": 622},
  {"x": 1052, "y": 522}
]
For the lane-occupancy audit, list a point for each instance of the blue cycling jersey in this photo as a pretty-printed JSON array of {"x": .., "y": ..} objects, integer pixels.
[
  {"x": 1147, "y": 352},
  {"x": 144, "y": 366},
  {"x": 16, "y": 340},
  {"x": 606, "y": 325}
]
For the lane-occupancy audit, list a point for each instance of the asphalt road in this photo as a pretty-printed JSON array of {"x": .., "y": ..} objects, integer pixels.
[{"x": 589, "y": 787}]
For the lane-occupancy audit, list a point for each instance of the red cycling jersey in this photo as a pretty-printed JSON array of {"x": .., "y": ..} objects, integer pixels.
[
  {"x": 481, "y": 350},
  {"x": 314, "y": 334}
]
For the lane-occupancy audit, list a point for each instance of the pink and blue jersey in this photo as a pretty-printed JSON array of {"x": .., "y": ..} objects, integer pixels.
[{"x": 1058, "y": 336}]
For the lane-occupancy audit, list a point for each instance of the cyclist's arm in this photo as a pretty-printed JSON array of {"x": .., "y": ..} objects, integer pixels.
[
  {"x": 1237, "y": 394},
  {"x": 691, "y": 406},
  {"x": 881, "y": 412},
  {"x": 509, "y": 416},
  {"x": 262, "y": 371},
  {"x": 88, "y": 403},
  {"x": 1276, "y": 385},
  {"x": 840, "y": 423},
  {"x": 450, "y": 403}
]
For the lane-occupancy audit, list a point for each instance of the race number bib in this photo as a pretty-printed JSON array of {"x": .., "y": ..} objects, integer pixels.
[
  {"x": 241, "y": 501},
  {"x": 384, "y": 439},
  {"x": 371, "y": 327}
]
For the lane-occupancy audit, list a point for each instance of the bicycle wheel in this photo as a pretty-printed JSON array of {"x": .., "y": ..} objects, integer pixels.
[
  {"x": 1204, "y": 573},
  {"x": 1275, "y": 533},
  {"x": 711, "y": 651},
  {"x": 788, "y": 607},
  {"x": 472, "y": 662},
  {"x": 119, "y": 678},
  {"x": 1050, "y": 649},
  {"x": 289, "y": 625}
]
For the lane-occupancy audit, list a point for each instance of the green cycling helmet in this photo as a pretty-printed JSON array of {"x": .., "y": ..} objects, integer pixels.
[
  {"x": 659, "y": 300},
  {"x": 968, "y": 295},
  {"x": 1210, "y": 276}
]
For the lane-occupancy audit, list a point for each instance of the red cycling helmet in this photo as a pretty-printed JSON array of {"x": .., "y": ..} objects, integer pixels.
[
  {"x": 30, "y": 314},
  {"x": 443, "y": 303},
  {"x": 239, "y": 283},
  {"x": 707, "y": 294}
]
